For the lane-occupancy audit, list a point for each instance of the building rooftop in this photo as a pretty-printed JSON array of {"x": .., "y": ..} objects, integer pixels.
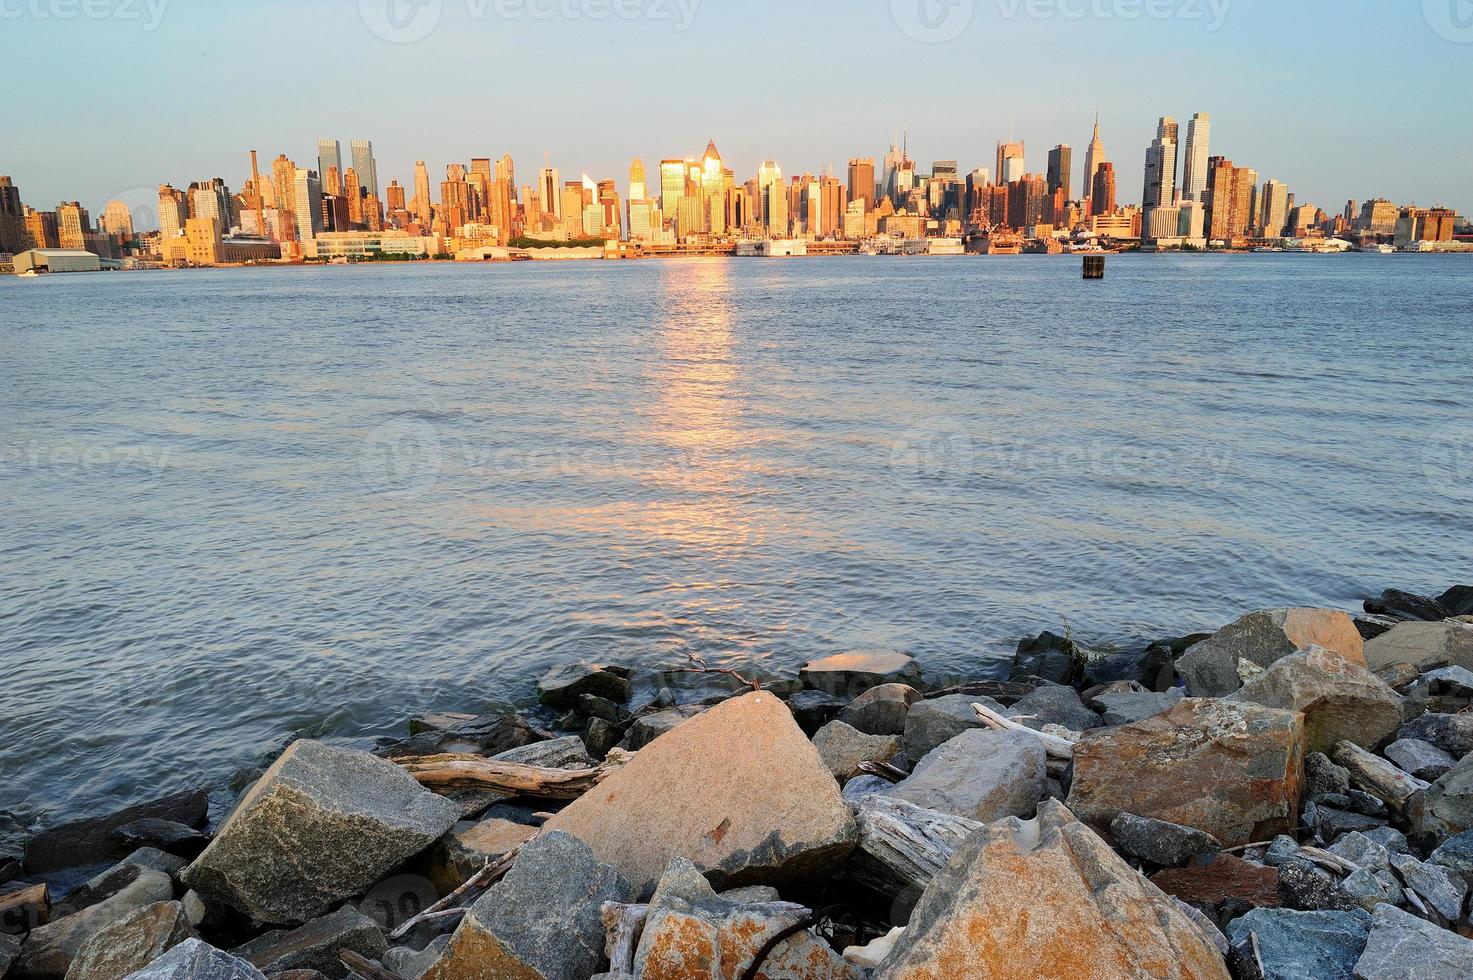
[{"x": 62, "y": 251}]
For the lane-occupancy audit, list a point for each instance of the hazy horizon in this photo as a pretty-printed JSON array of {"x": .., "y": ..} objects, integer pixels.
[{"x": 1337, "y": 98}]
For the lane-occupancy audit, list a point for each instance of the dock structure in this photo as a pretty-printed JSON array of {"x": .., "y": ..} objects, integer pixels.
[{"x": 1094, "y": 267}]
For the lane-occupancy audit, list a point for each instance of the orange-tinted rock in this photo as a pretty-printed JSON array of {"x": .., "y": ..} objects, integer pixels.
[
  {"x": 1047, "y": 898},
  {"x": 1340, "y": 700},
  {"x": 1220, "y": 664},
  {"x": 1232, "y": 769},
  {"x": 1225, "y": 876},
  {"x": 737, "y": 790}
]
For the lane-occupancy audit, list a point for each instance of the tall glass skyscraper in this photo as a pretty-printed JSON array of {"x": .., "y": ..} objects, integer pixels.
[
  {"x": 329, "y": 155},
  {"x": 365, "y": 166}
]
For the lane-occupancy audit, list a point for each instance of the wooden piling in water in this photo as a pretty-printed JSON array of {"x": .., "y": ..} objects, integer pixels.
[{"x": 1094, "y": 267}]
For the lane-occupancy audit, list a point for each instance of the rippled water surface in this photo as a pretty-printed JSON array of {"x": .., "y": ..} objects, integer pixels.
[{"x": 242, "y": 503}]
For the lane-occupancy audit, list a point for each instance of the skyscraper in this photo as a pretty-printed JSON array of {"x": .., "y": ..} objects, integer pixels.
[
  {"x": 329, "y": 155},
  {"x": 1102, "y": 194},
  {"x": 173, "y": 212},
  {"x": 117, "y": 218},
  {"x": 1274, "y": 208},
  {"x": 893, "y": 160},
  {"x": 1094, "y": 157},
  {"x": 672, "y": 186},
  {"x": 1009, "y": 161},
  {"x": 1060, "y": 163},
  {"x": 1194, "y": 163},
  {"x": 307, "y": 203},
  {"x": 73, "y": 225},
  {"x": 549, "y": 191},
  {"x": 365, "y": 165},
  {"x": 637, "y": 184},
  {"x": 1161, "y": 165},
  {"x": 422, "y": 205},
  {"x": 13, "y": 236},
  {"x": 862, "y": 181}
]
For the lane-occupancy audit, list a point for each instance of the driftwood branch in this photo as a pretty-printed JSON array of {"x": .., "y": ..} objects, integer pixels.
[
  {"x": 446, "y": 773},
  {"x": 903, "y": 846},
  {"x": 1053, "y": 745},
  {"x": 488, "y": 875},
  {"x": 701, "y": 667},
  {"x": 622, "y": 925},
  {"x": 887, "y": 772},
  {"x": 364, "y": 967}
]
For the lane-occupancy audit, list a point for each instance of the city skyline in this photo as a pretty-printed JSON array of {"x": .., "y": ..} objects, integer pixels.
[{"x": 619, "y": 90}]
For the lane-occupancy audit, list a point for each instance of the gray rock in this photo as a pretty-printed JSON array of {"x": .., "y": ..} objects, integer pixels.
[
  {"x": 1340, "y": 699},
  {"x": 861, "y": 786},
  {"x": 1371, "y": 890},
  {"x": 131, "y": 943},
  {"x": 557, "y": 753},
  {"x": 1052, "y": 657},
  {"x": 1329, "y": 822},
  {"x": 194, "y": 908},
  {"x": 1281, "y": 849},
  {"x": 1456, "y": 854},
  {"x": 9, "y": 948},
  {"x": 812, "y": 709},
  {"x": 152, "y": 857},
  {"x": 91, "y": 841},
  {"x": 1308, "y": 888},
  {"x": 600, "y": 736},
  {"x": 881, "y": 710},
  {"x": 411, "y": 964},
  {"x": 980, "y": 775},
  {"x": 1389, "y": 838},
  {"x": 1404, "y": 947},
  {"x": 561, "y": 687},
  {"x": 1422, "y": 759},
  {"x": 1454, "y": 681},
  {"x": 1158, "y": 842},
  {"x": 592, "y": 706},
  {"x": 315, "y": 946},
  {"x": 842, "y": 749},
  {"x": 1423, "y": 645},
  {"x": 1216, "y": 666},
  {"x": 322, "y": 825},
  {"x": 1407, "y": 605},
  {"x": 847, "y": 675},
  {"x": 1443, "y": 890},
  {"x": 939, "y": 720},
  {"x": 1128, "y": 707},
  {"x": 163, "y": 835},
  {"x": 481, "y": 735},
  {"x": 195, "y": 959},
  {"x": 649, "y": 727},
  {"x": 49, "y": 949},
  {"x": 1360, "y": 850},
  {"x": 1447, "y": 806},
  {"x": 542, "y": 920},
  {"x": 1322, "y": 776},
  {"x": 1282, "y": 944},
  {"x": 1054, "y": 705},
  {"x": 1458, "y": 600},
  {"x": 1452, "y": 734}
]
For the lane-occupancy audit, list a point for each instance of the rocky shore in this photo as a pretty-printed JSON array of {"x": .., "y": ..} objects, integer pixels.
[{"x": 1290, "y": 796}]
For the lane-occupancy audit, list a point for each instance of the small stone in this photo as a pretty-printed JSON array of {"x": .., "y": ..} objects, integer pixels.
[
  {"x": 1423, "y": 645},
  {"x": 1282, "y": 944},
  {"x": 1407, "y": 605},
  {"x": 482, "y": 735},
  {"x": 1449, "y": 682},
  {"x": 1281, "y": 849},
  {"x": 881, "y": 710},
  {"x": 1330, "y": 822},
  {"x": 600, "y": 737},
  {"x": 322, "y": 825},
  {"x": 557, "y": 753},
  {"x": 1389, "y": 838},
  {"x": 1304, "y": 886},
  {"x": 848, "y": 675},
  {"x": 152, "y": 857},
  {"x": 593, "y": 706},
  {"x": 870, "y": 956},
  {"x": 411, "y": 964},
  {"x": 1397, "y": 675},
  {"x": 1052, "y": 657},
  {"x": 1213, "y": 668},
  {"x": 561, "y": 687},
  {"x": 1322, "y": 776},
  {"x": 861, "y": 786},
  {"x": 1365, "y": 887},
  {"x": 1158, "y": 842},
  {"x": 980, "y": 775},
  {"x": 843, "y": 749},
  {"x": 1458, "y": 600},
  {"x": 194, "y": 908},
  {"x": 1440, "y": 888},
  {"x": 315, "y": 945},
  {"x": 1340, "y": 699},
  {"x": 1223, "y": 878},
  {"x": 1129, "y": 707},
  {"x": 647, "y": 728},
  {"x": 1360, "y": 850},
  {"x": 462, "y": 852},
  {"x": 1456, "y": 854},
  {"x": 1053, "y": 705},
  {"x": 542, "y": 920},
  {"x": 164, "y": 835},
  {"x": 932, "y": 722},
  {"x": 195, "y": 959},
  {"x": 814, "y": 709},
  {"x": 90, "y": 841},
  {"x": 1404, "y": 947},
  {"x": 1452, "y": 734},
  {"x": 131, "y": 943}
]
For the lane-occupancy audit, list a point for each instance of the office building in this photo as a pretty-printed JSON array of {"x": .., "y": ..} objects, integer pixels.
[
  {"x": 862, "y": 181},
  {"x": 1060, "y": 162},
  {"x": 1161, "y": 159},
  {"x": 1010, "y": 166},
  {"x": 329, "y": 158},
  {"x": 365, "y": 166},
  {"x": 1194, "y": 163}
]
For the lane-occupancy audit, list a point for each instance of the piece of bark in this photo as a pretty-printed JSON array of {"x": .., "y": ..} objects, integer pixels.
[
  {"x": 1376, "y": 776},
  {"x": 23, "y": 909},
  {"x": 623, "y": 924},
  {"x": 904, "y": 846}
]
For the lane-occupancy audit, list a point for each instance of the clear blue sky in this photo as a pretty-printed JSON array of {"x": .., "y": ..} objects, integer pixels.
[{"x": 1339, "y": 98}]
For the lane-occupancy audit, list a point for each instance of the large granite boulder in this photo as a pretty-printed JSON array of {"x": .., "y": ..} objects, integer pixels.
[
  {"x": 1422, "y": 759},
  {"x": 316, "y": 945},
  {"x": 881, "y": 710},
  {"x": 691, "y": 933},
  {"x": 1231, "y": 769},
  {"x": 1404, "y": 947},
  {"x": 1284, "y": 944},
  {"x": 195, "y": 959},
  {"x": 543, "y": 921},
  {"x": 843, "y": 749},
  {"x": 1423, "y": 645},
  {"x": 981, "y": 775},
  {"x": 1219, "y": 665},
  {"x": 1339, "y": 699},
  {"x": 1047, "y": 898},
  {"x": 322, "y": 825},
  {"x": 49, "y": 949},
  {"x": 131, "y": 943},
  {"x": 736, "y": 790},
  {"x": 91, "y": 841},
  {"x": 932, "y": 722},
  {"x": 851, "y": 674}
]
